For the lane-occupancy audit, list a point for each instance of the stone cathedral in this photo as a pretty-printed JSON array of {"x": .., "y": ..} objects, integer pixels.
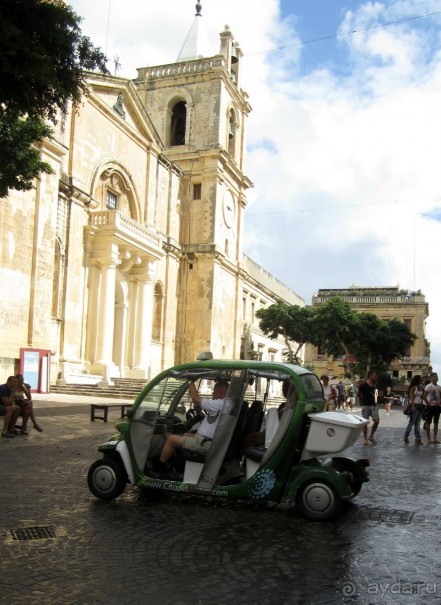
[{"x": 128, "y": 259}]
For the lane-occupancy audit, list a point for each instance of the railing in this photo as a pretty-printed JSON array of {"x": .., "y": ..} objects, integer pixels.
[
  {"x": 183, "y": 68},
  {"x": 363, "y": 300},
  {"x": 112, "y": 218},
  {"x": 415, "y": 360}
]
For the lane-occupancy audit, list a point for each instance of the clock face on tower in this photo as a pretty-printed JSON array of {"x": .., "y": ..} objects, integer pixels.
[{"x": 229, "y": 209}]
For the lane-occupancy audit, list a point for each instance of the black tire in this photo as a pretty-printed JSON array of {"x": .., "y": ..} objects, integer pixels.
[
  {"x": 107, "y": 479},
  {"x": 318, "y": 500}
]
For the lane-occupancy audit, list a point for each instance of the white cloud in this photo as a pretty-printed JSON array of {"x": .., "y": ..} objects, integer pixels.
[{"x": 344, "y": 157}]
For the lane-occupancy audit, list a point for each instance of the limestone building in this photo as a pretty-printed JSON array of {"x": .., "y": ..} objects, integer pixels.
[
  {"x": 387, "y": 303},
  {"x": 128, "y": 259}
]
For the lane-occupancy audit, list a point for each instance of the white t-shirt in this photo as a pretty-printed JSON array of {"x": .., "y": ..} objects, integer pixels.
[
  {"x": 417, "y": 395},
  {"x": 213, "y": 408},
  {"x": 434, "y": 393},
  {"x": 328, "y": 391}
]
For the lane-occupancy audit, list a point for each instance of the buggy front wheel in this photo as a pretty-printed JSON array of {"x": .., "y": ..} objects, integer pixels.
[{"x": 107, "y": 479}]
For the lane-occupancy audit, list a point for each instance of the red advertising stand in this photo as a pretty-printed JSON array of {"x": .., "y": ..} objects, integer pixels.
[{"x": 35, "y": 367}]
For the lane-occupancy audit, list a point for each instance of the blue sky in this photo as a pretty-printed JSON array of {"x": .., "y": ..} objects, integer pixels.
[{"x": 344, "y": 140}]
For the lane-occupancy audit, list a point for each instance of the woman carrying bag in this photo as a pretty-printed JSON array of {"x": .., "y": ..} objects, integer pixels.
[{"x": 415, "y": 409}]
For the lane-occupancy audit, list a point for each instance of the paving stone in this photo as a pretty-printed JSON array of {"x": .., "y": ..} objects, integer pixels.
[{"x": 184, "y": 550}]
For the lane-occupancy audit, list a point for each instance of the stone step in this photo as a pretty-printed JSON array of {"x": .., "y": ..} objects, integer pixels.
[{"x": 122, "y": 389}]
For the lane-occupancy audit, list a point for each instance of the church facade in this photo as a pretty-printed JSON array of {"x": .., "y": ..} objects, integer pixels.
[{"x": 128, "y": 258}]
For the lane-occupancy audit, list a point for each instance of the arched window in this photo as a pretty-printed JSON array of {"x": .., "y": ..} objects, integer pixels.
[
  {"x": 113, "y": 187},
  {"x": 158, "y": 302},
  {"x": 178, "y": 124}
]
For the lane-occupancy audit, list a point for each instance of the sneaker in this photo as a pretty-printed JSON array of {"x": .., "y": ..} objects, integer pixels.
[
  {"x": 159, "y": 470},
  {"x": 167, "y": 475},
  {"x": 8, "y": 435}
]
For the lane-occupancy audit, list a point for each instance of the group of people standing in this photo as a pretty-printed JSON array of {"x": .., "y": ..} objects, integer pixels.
[
  {"x": 424, "y": 403},
  {"x": 15, "y": 401},
  {"x": 338, "y": 397}
]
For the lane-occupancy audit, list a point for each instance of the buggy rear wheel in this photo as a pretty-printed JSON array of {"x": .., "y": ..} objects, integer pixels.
[{"x": 318, "y": 500}]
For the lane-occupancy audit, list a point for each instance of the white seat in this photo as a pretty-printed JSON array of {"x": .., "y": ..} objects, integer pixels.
[{"x": 272, "y": 422}]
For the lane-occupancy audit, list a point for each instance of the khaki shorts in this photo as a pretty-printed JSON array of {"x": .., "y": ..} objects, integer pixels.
[
  {"x": 370, "y": 411},
  {"x": 196, "y": 443}
]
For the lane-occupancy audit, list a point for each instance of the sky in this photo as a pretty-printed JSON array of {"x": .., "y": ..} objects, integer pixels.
[{"x": 344, "y": 139}]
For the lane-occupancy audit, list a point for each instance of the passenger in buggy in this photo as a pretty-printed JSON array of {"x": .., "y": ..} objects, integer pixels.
[{"x": 201, "y": 440}]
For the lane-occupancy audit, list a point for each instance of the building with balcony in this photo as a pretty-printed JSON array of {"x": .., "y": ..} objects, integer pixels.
[
  {"x": 387, "y": 303},
  {"x": 128, "y": 258}
]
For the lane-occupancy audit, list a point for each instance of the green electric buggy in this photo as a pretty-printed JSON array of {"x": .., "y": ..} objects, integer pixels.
[{"x": 264, "y": 448}]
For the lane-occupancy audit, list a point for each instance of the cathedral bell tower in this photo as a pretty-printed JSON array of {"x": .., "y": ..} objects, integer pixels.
[{"x": 200, "y": 111}]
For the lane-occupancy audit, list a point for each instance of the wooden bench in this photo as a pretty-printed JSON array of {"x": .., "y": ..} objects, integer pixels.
[{"x": 104, "y": 407}]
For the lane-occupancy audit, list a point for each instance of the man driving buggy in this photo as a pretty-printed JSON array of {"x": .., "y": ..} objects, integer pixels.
[{"x": 201, "y": 440}]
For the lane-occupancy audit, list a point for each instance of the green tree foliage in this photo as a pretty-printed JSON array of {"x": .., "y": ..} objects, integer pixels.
[
  {"x": 294, "y": 323},
  {"x": 19, "y": 159},
  {"x": 362, "y": 341},
  {"x": 42, "y": 58},
  {"x": 337, "y": 324}
]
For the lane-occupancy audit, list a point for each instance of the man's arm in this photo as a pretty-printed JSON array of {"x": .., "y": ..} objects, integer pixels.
[{"x": 195, "y": 397}]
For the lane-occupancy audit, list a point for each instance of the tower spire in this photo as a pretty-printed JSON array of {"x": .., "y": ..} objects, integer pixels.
[{"x": 196, "y": 44}]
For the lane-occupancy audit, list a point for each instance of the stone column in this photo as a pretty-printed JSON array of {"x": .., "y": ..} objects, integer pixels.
[
  {"x": 131, "y": 322},
  {"x": 92, "y": 308},
  {"x": 106, "y": 314},
  {"x": 120, "y": 336},
  {"x": 129, "y": 261},
  {"x": 145, "y": 276}
]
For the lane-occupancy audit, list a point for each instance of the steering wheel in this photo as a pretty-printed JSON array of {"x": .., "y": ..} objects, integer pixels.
[{"x": 193, "y": 416}]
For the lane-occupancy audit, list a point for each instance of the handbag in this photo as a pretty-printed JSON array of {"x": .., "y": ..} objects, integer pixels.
[{"x": 406, "y": 409}]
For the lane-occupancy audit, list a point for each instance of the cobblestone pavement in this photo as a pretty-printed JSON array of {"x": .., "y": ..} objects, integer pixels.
[{"x": 181, "y": 550}]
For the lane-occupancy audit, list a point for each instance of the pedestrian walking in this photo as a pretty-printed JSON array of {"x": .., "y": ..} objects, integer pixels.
[
  {"x": 388, "y": 399},
  {"x": 415, "y": 409},
  {"x": 330, "y": 394},
  {"x": 368, "y": 394},
  {"x": 351, "y": 397},
  {"x": 432, "y": 398},
  {"x": 341, "y": 395}
]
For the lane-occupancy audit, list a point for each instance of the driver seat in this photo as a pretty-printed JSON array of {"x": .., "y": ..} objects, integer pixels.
[{"x": 195, "y": 460}]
